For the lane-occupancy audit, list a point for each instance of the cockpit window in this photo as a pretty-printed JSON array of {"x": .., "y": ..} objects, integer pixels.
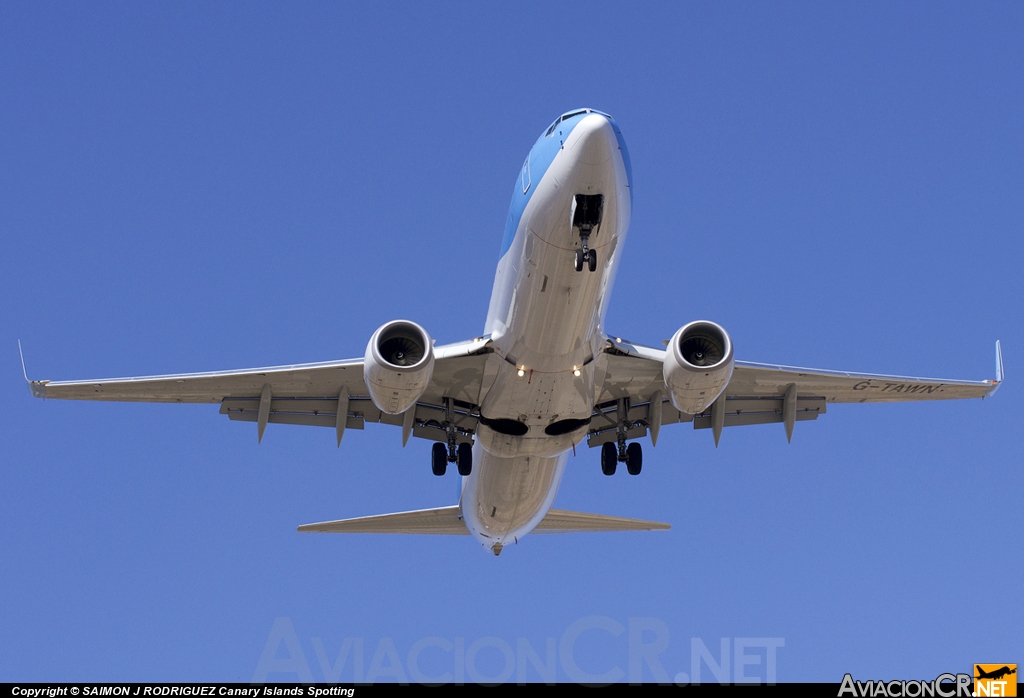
[{"x": 569, "y": 115}]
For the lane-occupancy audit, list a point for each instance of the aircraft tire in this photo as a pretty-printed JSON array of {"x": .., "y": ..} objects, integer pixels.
[
  {"x": 592, "y": 260},
  {"x": 609, "y": 458},
  {"x": 578, "y": 262},
  {"x": 634, "y": 458},
  {"x": 465, "y": 459},
  {"x": 439, "y": 459}
]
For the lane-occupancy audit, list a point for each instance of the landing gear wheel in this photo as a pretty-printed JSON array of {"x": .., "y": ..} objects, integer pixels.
[
  {"x": 579, "y": 260},
  {"x": 465, "y": 459},
  {"x": 592, "y": 260},
  {"x": 609, "y": 458},
  {"x": 634, "y": 458},
  {"x": 439, "y": 459}
]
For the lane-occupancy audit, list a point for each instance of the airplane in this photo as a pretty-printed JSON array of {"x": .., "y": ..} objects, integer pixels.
[
  {"x": 995, "y": 674},
  {"x": 507, "y": 407}
]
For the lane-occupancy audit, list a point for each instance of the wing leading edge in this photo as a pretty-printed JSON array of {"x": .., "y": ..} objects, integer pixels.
[{"x": 299, "y": 380}]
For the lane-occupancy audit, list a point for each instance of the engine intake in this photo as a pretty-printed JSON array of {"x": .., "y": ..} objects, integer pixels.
[
  {"x": 698, "y": 365},
  {"x": 398, "y": 365}
]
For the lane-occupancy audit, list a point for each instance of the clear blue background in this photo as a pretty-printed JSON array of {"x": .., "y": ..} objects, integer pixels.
[{"x": 199, "y": 187}]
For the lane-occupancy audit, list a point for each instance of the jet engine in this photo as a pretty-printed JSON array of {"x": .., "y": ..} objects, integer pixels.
[
  {"x": 698, "y": 365},
  {"x": 398, "y": 365}
]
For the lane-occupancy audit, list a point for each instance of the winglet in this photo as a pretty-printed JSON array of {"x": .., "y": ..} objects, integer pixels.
[
  {"x": 23, "y": 371},
  {"x": 37, "y": 388},
  {"x": 999, "y": 370}
]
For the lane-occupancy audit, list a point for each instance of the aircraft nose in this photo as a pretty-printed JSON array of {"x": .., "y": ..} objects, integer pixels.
[{"x": 593, "y": 140}]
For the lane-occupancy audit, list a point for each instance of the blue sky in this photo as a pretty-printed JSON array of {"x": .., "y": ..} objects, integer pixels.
[{"x": 188, "y": 187}]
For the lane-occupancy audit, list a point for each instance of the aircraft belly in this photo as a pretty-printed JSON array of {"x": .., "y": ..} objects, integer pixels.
[
  {"x": 536, "y": 399},
  {"x": 505, "y": 498},
  {"x": 545, "y": 325},
  {"x": 545, "y": 317}
]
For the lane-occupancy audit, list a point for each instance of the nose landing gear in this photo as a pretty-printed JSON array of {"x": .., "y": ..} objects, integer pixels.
[
  {"x": 586, "y": 217},
  {"x": 586, "y": 256}
]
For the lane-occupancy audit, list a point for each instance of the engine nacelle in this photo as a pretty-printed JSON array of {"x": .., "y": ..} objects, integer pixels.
[
  {"x": 698, "y": 365},
  {"x": 398, "y": 365}
]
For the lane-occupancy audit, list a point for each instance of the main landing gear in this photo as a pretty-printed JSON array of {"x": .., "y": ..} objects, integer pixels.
[
  {"x": 440, "y": 457},
  {"x": 464, "y": 457},
  {"x": 444, "y": 453},
  {"x": 632, "y": 456},
  {"x": 619, "y": 452}
]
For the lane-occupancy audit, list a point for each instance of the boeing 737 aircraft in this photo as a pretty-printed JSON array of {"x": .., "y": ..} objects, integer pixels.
[{"x": 545, "y": 374}]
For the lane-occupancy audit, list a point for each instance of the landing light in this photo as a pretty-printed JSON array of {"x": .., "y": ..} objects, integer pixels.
[
  {"x": 522, "y": 373},
  {"x": 575, "y": 372}
]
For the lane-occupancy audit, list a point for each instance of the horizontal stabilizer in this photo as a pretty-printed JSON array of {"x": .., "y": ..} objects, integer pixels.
[
  {"x": 560, "y": 521},
  {"x": 448, "y": 521},
  {"x": 440, "y": 521}
]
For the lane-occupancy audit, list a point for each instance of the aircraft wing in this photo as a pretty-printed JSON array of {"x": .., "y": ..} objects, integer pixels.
[
  {"x": 757, "y": 393},
  {"x": 299, "y": 380},
  {"x": 307, "y": 394}
]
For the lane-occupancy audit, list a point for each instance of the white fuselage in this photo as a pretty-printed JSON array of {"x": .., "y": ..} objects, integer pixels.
[{"x": 545, "y": 321}]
